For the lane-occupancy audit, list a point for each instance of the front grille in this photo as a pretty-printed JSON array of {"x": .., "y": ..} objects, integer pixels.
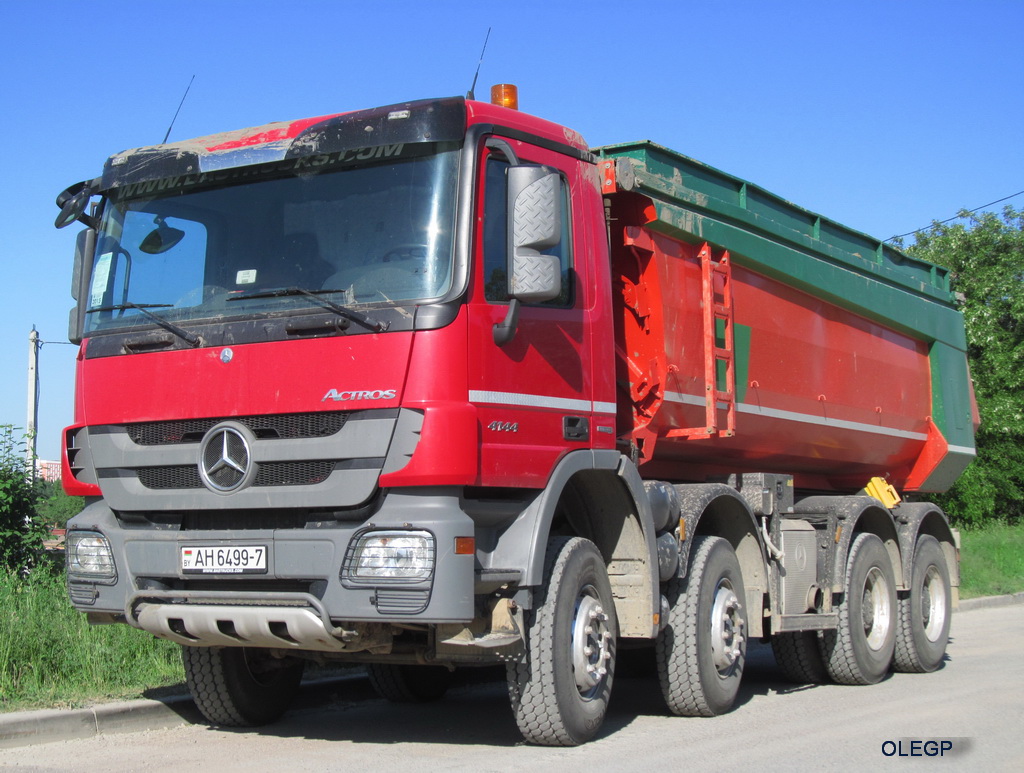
[
  {"x": 82, "y": 594},
  {"x": 293, "y": 473},
  {"x": 226, "y": 584},
  {"x": 186, "y": 476},
  {"x": 242, "y": 520},
  {"x": 281, "y": 426},
  {"x": 401, "y": 602},
  {"x": 180, "y": 476}
]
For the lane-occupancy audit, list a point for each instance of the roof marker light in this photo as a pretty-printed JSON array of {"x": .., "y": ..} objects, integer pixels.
[{"x": 506, "y": 95}]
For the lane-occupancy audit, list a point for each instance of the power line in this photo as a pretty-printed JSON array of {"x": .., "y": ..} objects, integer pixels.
[{"x": 956, "y": 217}]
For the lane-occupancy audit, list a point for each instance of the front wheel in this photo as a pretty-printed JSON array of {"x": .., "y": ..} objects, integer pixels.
[
  {"x": 560, "y": 688},
  {"x": 924, "y": 613},
  {"x": 702, "y": 649},
  {"x": 240, "y": 686},
  {"x": 400, "y": 683},
  {"x": 861, "y": 649}
]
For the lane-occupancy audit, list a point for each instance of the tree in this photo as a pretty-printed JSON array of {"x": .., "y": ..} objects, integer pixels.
[
  {"x": 986, "y": 257},
  {"x": 21, "y": 533},
  {"x": 54, "y": 507}
]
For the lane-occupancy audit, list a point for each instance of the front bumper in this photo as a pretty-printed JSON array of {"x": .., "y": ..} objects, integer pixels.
[{"x": 300, "y": 601}]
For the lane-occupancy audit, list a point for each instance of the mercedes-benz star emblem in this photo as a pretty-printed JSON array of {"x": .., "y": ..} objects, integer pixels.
[{"x": 225, "y": 459}]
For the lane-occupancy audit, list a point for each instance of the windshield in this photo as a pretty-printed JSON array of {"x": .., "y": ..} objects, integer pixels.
[{"x": 376, "y": 234}]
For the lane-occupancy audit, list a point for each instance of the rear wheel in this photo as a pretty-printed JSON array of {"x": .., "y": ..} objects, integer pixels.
[
  {"x": 798, "y": 654},
  {"x": 925, "y": 613},
  {"x": 560, "y": 689},
  {"x": 702, "y": 649},
  {"x": 240, "y": 686},
  {"x": 408, "y": 684},
  {"x": 860, "y": 650}
]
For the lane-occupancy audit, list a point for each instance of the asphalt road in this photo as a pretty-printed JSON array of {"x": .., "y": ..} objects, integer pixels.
[{"x": 974, "y": 703}]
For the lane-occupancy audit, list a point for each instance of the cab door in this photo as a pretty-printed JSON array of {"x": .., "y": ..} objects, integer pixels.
[{"x": 534, "y": 393}]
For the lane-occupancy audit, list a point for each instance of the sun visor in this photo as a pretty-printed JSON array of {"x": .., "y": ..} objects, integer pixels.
[{"x": 160, "y": 166}]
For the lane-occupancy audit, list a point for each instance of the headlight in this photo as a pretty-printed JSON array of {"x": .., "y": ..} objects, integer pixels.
[
  {"x": 89, "y": 557},
  {"x": 391, "y": 556}
]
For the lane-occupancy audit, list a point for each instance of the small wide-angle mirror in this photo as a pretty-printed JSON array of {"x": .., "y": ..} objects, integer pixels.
[{"x": 162, "y": 238}]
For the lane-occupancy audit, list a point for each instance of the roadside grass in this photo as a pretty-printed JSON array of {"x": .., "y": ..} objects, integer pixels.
[
  {"x": 50, "y": 657},
  {"x": 992, "y": 560}
]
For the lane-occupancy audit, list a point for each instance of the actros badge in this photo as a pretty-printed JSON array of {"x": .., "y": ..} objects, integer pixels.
[{"x": 359, "y": 394}]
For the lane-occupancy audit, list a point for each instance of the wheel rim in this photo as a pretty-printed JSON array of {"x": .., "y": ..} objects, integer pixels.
[
  {"x": 933, "y": 604},
  {"x": 876, "y": 609},
  {"x": 726, "y": 628},
  {"x": 591, "y": 642}
]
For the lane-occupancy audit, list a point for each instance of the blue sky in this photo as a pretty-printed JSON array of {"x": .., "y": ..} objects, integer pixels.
[{"x": 881, "y": 115}]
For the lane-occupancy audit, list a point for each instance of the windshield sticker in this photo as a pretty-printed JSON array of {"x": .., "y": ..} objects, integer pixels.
[
  {"x": 100, "y": 275},
  {"x": 246, "y": 277},
  {"x": 296, "y": 165}
]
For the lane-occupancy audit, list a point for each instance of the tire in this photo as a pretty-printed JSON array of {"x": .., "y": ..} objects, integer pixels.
[
  {"x": 408, "y": 684},
  {"x": 798, "y": 654},
  {"x": 702, "y": 649},
  {"x": 925, "y": 613},
  {"x": 559, "y": 689},
  {"x": 860, "y": 650},
  {"x": 240, "y": 686}
]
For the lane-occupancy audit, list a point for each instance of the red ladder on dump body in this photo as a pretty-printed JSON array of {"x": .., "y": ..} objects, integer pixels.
[{"x": 716, "y": 291}]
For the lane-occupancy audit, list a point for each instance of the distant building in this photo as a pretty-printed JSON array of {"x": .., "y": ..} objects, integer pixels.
[{"x": 48, "y": 471}]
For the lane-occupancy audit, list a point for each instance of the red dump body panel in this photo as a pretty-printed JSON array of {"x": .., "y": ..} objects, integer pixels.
[
  {"x": 822, "y": 392},
  {"x": 755, "y": 336}
]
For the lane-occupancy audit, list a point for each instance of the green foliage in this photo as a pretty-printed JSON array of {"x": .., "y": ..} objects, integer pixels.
[
  {"x": 53, "y": 506},
  {"x": 986, "y": 256},
  {"x": 51, "y": 656},
  {"x": 21, "y": 533},
  {"x": 992, "y": 560}
]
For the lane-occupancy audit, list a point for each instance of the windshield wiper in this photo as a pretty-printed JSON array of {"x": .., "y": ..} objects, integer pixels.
[
  {"x": 185, "y": 335},
  {"x": 314, "y": 295}
]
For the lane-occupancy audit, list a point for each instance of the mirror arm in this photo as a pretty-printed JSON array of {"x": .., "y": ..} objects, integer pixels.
[{"x": 505, "y": 330}]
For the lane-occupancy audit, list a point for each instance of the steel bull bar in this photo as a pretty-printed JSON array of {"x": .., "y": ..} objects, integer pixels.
[{"x": 281, "y": 620}]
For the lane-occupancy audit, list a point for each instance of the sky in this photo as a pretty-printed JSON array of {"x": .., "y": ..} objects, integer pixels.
[{"x": 881, "y": 115}]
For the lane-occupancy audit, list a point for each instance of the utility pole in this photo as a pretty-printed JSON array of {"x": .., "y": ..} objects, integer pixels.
[{"x": 33, "y": 400}]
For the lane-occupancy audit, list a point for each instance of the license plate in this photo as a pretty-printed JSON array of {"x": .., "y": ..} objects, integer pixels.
[{"x": 224, "y": 559}]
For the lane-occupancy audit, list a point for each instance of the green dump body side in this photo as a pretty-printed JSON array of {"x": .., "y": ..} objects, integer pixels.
[{"x": 847, "y": 351}]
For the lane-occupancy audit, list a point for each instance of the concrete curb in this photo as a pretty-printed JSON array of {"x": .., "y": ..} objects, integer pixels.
[
  {"x": 25, "y": 728},
  {"x": 987, "y": 602}
]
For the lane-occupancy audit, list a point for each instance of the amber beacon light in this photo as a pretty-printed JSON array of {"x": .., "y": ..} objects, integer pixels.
[{"x": 506, "y": 95}]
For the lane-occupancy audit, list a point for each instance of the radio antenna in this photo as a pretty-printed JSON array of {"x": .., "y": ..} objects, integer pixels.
[
  {"x": 472, "y": 89},
  {"x": 178, "y": 110}
]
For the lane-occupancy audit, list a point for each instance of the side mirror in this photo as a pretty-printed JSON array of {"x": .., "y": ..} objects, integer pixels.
[
  {"x": 534, "y": 224},
  {"x": 85, "y": 246},
  {"x": 73, "y": 202}
]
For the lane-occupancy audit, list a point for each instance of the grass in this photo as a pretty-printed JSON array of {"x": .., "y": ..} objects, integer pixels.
[
  {"x": 992, "y": 560},
  {"x": 50, "y": 656}
]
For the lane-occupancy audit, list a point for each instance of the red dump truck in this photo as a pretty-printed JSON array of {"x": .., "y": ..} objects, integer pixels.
[{"x": 437, "y": 385}]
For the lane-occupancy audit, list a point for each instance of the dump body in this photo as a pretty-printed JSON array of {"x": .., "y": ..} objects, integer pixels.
[{"x": 846, "y": 359}]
